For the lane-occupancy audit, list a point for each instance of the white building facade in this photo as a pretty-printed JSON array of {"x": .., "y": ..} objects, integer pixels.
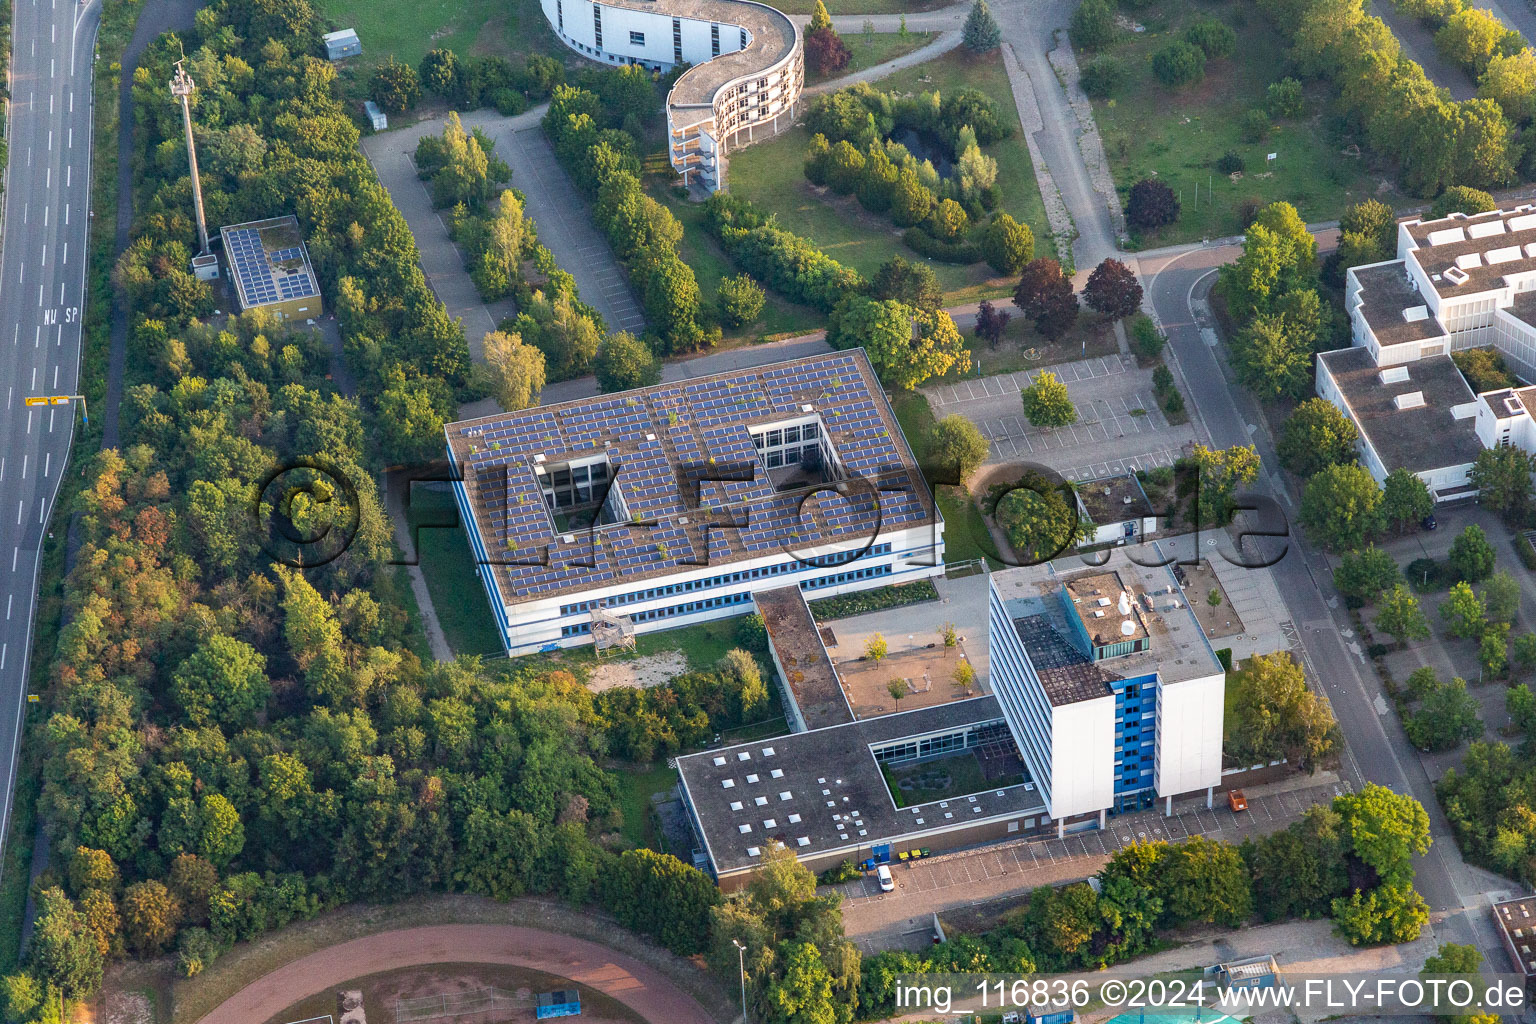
[
  {"x": 1112, "y": 692},
  {"x": 1458, "y": 282},
  {"x": 748, "y": 68}
]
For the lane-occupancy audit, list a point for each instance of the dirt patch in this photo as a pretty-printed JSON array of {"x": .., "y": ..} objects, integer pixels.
[
  {"x": 491, "y": 40},
  {"x": 126, "y": 1008},
  {"x": 651, "y": 670}
]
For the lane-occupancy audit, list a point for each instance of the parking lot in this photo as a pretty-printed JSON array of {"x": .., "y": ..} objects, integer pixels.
[
  {"x": 1007, "y": 870},
  {"x": 1120, "y": 426},
  {"x": 1004, "y": 384}
]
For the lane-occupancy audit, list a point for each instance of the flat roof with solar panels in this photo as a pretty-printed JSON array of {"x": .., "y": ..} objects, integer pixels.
[
  {"x": 674, "y": 503},
  {"x": 270, "y": 267}
]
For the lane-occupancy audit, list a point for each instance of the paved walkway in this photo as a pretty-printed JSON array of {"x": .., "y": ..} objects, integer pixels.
[
  {"x": 945, "y": 42},
  {"x": 641, "y": 988}
]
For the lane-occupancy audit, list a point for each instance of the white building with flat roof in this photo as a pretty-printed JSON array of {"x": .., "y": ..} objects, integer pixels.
[
  {"x": 1458, "y": 282},
  {"x": 1112, "y": 692},
  {"x": 672, "y": 504},
  {"x": 748, "y": 68}
]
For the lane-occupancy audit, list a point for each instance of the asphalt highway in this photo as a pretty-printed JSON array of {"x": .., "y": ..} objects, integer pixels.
[{"x": 42, "y": 284}]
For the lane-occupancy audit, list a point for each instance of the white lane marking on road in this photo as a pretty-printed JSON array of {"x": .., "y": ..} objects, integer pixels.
[
  {"x": 9, "y": 600},
  {"x": 53, "y": 31},
  {"x": 70, "y": 138},
  {"x": 65, "y": 260},
  {"x": 39, "y": 295},
  {"x": 45, "y": 254},
  {"x": 60, "y": 339},
  {"x": 25, "y": 458},
  {"x": 21, "y": 275},
  {"x": 42, "y": 510},
  {"x": 34, "y": 378},
  {"x": 20, "y": 507},
  {"x": 71, "y": 101},
  {"x": 45, "y": 215},
  {"x": 15, "y": 554},
  {"x": 47, "y": 462},
  {"x": 2, "y": 468},
  {"x": 68, "y": 174},
  {"x": 29, "y": 421},
  {"x": 3, "y": 648},
  {"x": 48, "y": 179},
  {"x": 61, "y": 293},
  {"x": 50, "y": 140},
  {"x": 55, "y": 376},
  {"x": 66, "y": 213},
  {"x": 51, "y": 412},
  {"x": 16, "y": 335}
]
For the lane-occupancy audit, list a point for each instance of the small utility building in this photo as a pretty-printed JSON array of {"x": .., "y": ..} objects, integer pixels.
[
  {"x": 271, "y": 268},
  {"x": 342, "y": 44}
]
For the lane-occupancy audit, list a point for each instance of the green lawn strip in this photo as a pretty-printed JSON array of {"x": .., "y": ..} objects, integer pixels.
[
  {"x": 915, "y": 417},
  {"x": 1024, "y": 348},
  {"x": 965, "y": 532},
  {"x": 861, "y": 602},
  {"x": 458, "y": 596},
  {"x": 1178, "y": 135},
  {"x": 854, "y": 8},
  {"x": 873, "y": 48},
  {"x": 772, "y": 175},
  {"x": 636, "y": 787}
]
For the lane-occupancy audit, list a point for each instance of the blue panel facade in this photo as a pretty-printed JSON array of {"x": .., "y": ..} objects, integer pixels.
[{"x": 1135, "y": 732}]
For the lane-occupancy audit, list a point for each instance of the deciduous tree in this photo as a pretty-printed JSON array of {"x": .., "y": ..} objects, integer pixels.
[
  {"x": 1047, "y": 402},
  {"x": 1112, "y": 290},
  {"x": 1316, "y": 435},
  {"x": 955, "y": 449},
  {"x": 1471, "y": 555},
  {"x": 624, "y": 362},
  {"x": 1398, "y": 615}
]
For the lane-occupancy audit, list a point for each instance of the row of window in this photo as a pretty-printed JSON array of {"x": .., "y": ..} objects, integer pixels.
[
  {"x": 709, "y": 582},
  {"x": 727, "y": 600},
  {"x": 926, "y": 747}
]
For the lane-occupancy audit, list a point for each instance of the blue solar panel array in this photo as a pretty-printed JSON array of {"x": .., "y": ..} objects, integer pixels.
[
  {"x": 662, "y": 444},
  {"x": 261, "y": 279}
]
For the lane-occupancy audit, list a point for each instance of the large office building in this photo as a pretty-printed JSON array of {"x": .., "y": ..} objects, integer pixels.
[
  {"x": 748, "y": 68},
  {"x": 845, "y": 784},
  {"x": 270, "y": 267},
  {"x": 1459, "y": 282},
  {"x": 1109, "y": 685},
  {"x": 672, "y": 504}
]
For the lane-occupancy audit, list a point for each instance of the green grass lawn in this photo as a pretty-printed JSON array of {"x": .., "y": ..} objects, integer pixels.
[
  {"x": 874, "y": 48},
  {"x": 772, "y": 174},
  {"x": 636, "y": 787},
  {"x": 965, "y": 533},
  {"x": 780, "y": 317},
  {"x": 943, "y": 778},
  {"x": 1179, "y": 135},
  {"x": 457, "y": 594},
  {"x": 407, "y": 29}
]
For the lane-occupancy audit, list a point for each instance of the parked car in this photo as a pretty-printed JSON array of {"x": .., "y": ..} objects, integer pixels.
[
  {"x": 887, "y": 883},
  {"x": 1429, "y": 522},
  {"x": 1236, "y": 800}
]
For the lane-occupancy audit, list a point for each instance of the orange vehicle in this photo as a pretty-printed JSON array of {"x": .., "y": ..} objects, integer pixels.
[{"x": 1236, "y": 800}]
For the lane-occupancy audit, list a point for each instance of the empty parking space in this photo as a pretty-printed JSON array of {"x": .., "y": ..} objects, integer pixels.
[
  {"x": 1012, "y": 383},
  {"x": 566, "y": 229}
]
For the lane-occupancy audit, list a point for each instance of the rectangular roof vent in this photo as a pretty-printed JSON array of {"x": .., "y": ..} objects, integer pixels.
[
  {"x": 1524, "y": 222},
  {"x": 1412, "y": 400},
  {"x": 1456, "y": 275},
  {"x": 1413, "y": 314},
  {"x": 1483, "y": 229},
  {"x": 1530, "y": 250},
  {"x": 1512, "y": 405},
  {"x": 1468, "y": 260},
  {"x": 1447, "y": 235},
  {"x": 1508, "y": 254},
  {"x": 1393, "y": 375}
]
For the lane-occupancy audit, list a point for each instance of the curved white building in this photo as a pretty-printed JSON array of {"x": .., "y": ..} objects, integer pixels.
[{"x": 748, "y": 68}]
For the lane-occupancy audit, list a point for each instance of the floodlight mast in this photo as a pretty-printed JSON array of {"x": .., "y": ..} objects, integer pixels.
[{"x": 182, "y": 87}]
